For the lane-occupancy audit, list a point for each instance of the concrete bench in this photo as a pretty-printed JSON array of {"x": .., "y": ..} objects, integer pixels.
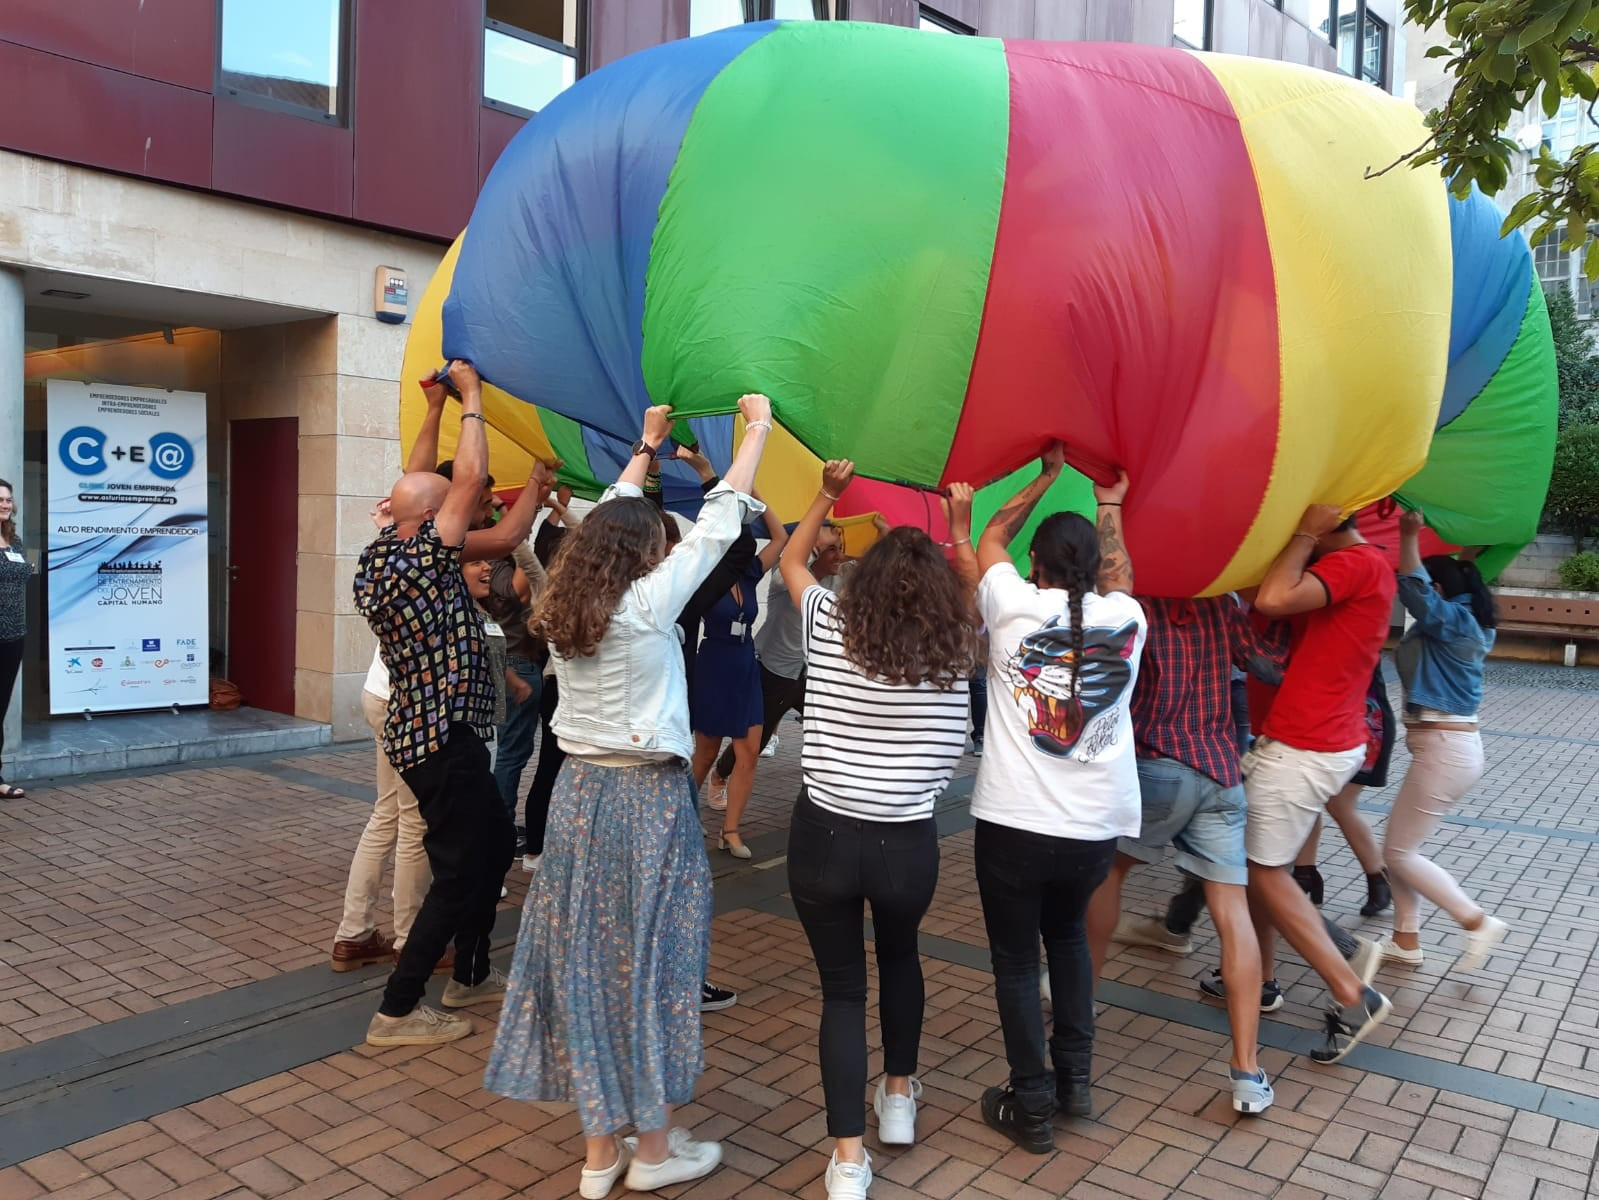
[{"x": 1570, "y": 616}]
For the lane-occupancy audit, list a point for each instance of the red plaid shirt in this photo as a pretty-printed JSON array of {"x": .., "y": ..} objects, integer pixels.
[{"x": 1182, "y": 706}]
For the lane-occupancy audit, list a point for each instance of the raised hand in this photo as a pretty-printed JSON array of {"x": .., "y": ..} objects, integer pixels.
[
  {"x": 836, "y": 476},
  {"x": 658, "y": 424},
  {"x": 1112, "y": 493},
  {"x": 755, "y": 407}
]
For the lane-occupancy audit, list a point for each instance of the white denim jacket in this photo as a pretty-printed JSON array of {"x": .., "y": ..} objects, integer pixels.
[{"x": 631, "y": 696}]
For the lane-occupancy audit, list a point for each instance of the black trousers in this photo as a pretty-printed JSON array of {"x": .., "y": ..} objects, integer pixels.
[
  {"x": 536, "y": 812},
  {"x": 779, "y": 697},
  {"x": 469, "y": 843},
  {"x": 10, "y": 664},
  {"x": 836, "y": 866},
  {"x": 1032, "y": 884}
]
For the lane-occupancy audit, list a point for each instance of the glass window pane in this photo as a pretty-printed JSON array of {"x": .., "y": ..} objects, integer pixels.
[
  {"x": 1374, "y": 52},
  {"x": 707, "y": 15},
  {"x": 524, "y": 74},
  {"x": 1348, "y": 42},
  {"x": 285, "y": 50},
  {"x": 553, "y": 19},
  {"x": 1321, "y": 18},
  {"x": 794, "y": 10},
  {"x": 1188, "y": 23}
]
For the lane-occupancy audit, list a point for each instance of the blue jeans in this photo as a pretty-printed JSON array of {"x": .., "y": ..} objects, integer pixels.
[
  {"x": 1189, "y": 810},
  {"x": 517, "y": 737}
]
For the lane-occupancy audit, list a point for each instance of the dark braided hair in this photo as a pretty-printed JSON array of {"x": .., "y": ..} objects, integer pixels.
[
  {"x": 1066, "y": 555},
  {"x": 1456, "y": 577}
]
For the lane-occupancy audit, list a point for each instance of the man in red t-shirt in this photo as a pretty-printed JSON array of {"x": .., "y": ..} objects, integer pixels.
[{"x": 1338, "y": 591}]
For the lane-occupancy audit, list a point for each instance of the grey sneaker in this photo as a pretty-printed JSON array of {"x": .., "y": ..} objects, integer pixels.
[
  {"x": 424, "y": 1027},
  {"x": 1252, "y": 1094},
  {"x": 1151, "y": 931},
  {"x": 458, "y": 995}
]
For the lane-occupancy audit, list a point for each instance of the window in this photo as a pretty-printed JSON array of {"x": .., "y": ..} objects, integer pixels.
[
  {"x": 1190, "y": 24},
  {"x": 930, "y": 20},
  {"x": 1374, "y": 52},
  {"x": 287, "y": 54},
  {"x": 529, "y": 52},
  {"x": 1320, "y": 19},
  {"x": 705, "y": 16}
]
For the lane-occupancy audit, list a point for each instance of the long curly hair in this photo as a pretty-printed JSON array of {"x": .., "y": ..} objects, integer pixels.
[
  {"x": 620, "y": 541},
  {"x": 1066, "y": 555},
  {"x": 906, "y": 619}
]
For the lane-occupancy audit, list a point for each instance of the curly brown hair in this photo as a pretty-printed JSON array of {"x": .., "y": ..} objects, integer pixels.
[
  {"x": 618, "y": 542},
  {"x": 906, "y": 618}
]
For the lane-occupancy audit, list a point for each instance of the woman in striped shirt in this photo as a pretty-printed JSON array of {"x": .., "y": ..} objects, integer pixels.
[{"x": 885, "y": 724}]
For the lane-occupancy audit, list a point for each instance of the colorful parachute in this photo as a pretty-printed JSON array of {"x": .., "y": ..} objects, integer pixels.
[{"x": 937, "y": 254}]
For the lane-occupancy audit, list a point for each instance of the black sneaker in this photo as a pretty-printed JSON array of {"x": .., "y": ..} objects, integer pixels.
[
  {"x": 1271, "y": 996},
  {"x": 1348, "y": 1027},
  {"x": 1074, "y": 1093},
  {"x": 1004, "y": 1112},
  {"x": 715, "y": 999}
]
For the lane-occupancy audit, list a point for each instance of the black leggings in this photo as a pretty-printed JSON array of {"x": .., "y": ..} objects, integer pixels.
[
  {"x": 536, "y": 815},
  {"x": 10, "y": 664},
  {"x": 836, "y": 865}
]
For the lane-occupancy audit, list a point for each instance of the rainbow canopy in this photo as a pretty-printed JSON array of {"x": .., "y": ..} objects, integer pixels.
[{"x": 937, "y": 254}]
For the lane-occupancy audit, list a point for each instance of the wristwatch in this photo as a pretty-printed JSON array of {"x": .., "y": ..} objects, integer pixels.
[{"x": 643, "y": 447}]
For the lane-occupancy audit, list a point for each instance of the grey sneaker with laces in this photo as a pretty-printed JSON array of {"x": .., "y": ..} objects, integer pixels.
[
  {"x": 423, "y": 1027},
  {"x": 459, "y": 995}
]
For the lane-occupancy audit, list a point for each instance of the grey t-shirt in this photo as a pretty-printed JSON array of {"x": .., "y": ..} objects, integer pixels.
[{"x": 780, "y": 641}]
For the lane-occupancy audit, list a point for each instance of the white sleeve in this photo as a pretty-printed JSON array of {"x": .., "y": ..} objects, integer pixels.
[{"x": 666, "y": 590}]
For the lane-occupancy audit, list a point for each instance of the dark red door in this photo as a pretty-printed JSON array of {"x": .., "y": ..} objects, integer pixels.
[{"x": 263, "y": 531}]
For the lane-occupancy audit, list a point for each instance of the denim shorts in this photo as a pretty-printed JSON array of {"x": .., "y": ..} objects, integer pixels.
[{"x": 1190, "y": 811}]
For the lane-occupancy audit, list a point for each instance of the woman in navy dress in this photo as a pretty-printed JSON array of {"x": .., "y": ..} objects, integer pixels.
[{"x": 725, "y": 692}]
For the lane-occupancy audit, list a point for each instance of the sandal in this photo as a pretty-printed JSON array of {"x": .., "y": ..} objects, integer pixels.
[
  {"x": 9, "y": 792},
  {"x": 736, "y": 849}
]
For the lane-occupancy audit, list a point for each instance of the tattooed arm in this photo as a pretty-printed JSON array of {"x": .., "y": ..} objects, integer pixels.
[
  {"x": 1115, "y": 566},
  {"x": 993, "y": 547}
]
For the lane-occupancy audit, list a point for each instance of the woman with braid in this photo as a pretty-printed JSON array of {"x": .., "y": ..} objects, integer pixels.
[{"x": 1058, "y": 783}]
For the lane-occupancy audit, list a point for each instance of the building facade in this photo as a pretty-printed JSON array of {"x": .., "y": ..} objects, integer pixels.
[{"x": 210, "y": 196}]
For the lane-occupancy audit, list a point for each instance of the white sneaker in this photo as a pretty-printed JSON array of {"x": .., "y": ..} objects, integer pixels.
[
  {"x": 1396, "y": 953},
  {"x": 896, "y": 1117},
  {"x": 596, "y": 1185},
  {"x": 848, "y": 1181},
  {"x": 529, "y": 861},
  {"x": 686, "y": 1160},
  {"x": 1480, "y": 943},
  {"x": 771, "y": 752},
  {"x": 715, "y": 791},
  {"x": 1367, "y": 958}
]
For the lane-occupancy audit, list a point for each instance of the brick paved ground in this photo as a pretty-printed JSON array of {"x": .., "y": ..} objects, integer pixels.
[{"x": 135, "y": 893}]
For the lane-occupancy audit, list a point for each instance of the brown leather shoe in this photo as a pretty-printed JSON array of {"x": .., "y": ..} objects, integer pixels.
[
  {"x": 374, "y": 948},
  {"x": 445, "y": 965}
]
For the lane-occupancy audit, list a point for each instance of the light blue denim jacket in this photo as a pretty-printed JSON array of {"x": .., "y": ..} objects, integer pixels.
[
  {"x": 1440, "y": 657},
  {"x": 631, "y": 695}
]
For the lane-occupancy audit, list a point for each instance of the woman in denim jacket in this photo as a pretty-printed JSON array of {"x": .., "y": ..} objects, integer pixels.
[
  {"x": 1440, "y": 664},
  {"x": 603, "y": 1004}
]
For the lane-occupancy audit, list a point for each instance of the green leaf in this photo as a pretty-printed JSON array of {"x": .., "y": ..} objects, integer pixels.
[
  {"x": 1538, "y": 30},
  {"x": 1545, "y": 60},
  {"x": 1521, "y": 212}
]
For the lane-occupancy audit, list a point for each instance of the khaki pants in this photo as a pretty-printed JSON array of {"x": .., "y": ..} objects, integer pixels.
[{"x": 395, "y": 826}]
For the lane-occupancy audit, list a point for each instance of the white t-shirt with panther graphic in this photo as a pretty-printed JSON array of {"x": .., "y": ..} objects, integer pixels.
[{"x": 1057, "y": 760}]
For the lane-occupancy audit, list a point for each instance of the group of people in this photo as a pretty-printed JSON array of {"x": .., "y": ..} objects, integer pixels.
[{"x": 1112, "y": 737}]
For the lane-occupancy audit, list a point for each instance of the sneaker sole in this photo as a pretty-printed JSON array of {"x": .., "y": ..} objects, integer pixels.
[
  {"x": 1361, "y": 1034},
  {"x": 655, "y": 1185},
  {"x": 415, "y": 1039},
  {"x": 1251, "y": 1108},
  {"x": 1269, "y": 1006},
  {"x": 449, "y": 1002},
  {"x": 718, "y": 1005},
  {"x": 883, "y": 1135}
]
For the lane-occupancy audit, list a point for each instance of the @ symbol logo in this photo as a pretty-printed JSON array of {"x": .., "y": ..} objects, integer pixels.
[
  {"x": 170, "y": 456},
  {"x": 82, "y": 450}
]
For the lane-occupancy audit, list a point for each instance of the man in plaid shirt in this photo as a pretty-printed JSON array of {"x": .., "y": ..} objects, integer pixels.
[{"x": 1193, "y": 796}]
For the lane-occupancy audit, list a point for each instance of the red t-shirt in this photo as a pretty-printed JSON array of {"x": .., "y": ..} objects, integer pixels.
[{"x": 1321, "y": 704}]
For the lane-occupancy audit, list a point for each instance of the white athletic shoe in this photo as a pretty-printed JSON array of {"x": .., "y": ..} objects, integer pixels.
[
  {"x": 596, "y": 1185},
  {"x": 686, "y": 1159},
  {"x": 896, "y": 1116},
  {"x": 848, "y": 1181},
  {"x": 1480, "y": 943},
  {"x": 771, "y": 752}
]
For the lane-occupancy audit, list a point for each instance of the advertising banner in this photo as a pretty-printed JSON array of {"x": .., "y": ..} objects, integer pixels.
[{"x": 126, "y": 552}]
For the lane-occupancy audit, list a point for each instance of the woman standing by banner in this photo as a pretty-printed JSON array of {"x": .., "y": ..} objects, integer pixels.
[{"x": 13, "y": 624}]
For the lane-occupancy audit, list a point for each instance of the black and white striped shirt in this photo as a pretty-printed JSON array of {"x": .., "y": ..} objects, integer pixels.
[{"x": 873, "y": 750}]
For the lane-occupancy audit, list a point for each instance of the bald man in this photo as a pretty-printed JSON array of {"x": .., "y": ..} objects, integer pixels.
[{"x": 409, "y": 587}]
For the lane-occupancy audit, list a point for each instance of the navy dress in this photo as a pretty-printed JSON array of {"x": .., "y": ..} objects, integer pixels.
[{"x": 725, "y": 693}]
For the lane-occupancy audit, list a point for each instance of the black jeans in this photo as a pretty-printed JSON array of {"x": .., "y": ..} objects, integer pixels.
[
  {"x": 978, "y": 685},
  {"x": 779, "y": 697},
  {"x": 1032, "y": 884},
  {"x": 536, "y": 815},
  {"x": 10, "y": 664},
  {"x": 836, "y": 865},
  {"x": 469, "y": 843}
]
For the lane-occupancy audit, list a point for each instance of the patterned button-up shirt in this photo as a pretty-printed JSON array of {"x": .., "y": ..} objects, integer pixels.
[
  {"x": 1182, "y": 707},
  {"x": 430, "y": 638}
]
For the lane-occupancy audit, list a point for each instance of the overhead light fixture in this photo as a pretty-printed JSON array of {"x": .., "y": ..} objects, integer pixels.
[{"x": 64, "y": 294}]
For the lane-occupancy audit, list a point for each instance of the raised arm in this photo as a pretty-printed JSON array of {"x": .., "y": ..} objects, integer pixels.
[
  {"x": 1410, "y": 525},
  {"x": 757, "y": 410},
  {"x": 778, "y": 538},
  {"x": 993, "y": 547},
  {"x": 1288, "y": 587},
  {"x": 657, "y": 428},
  {"x": 425, "y": 450},
  {"x": 795, "y": 563},
  {"x": 512, "y": 530},
  {"x": 471, "y": 459},
  {"x": 1115, "y": 566},
  {"x": 958, "y": 513}
]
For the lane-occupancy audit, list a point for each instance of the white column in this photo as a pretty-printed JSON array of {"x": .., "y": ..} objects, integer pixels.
[{"x": 11, "y": 445}]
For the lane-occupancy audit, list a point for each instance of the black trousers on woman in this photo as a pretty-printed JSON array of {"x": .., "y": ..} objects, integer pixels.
[
  {"x": 536, "y": 814},
  {"x": 1031, "y": 885},
  {"x": 836, "y": 866},
  {"x": 10, "y": 664}
]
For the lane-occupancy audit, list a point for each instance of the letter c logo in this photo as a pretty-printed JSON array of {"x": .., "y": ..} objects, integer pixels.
[{"x": 83, "y": 450}]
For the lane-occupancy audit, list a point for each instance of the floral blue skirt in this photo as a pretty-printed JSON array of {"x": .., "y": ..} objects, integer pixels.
[{"x": 603, "y": 1007}]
